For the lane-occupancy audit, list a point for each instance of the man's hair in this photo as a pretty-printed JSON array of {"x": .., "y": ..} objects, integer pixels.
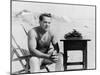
[{"x": 44, "y": 15}]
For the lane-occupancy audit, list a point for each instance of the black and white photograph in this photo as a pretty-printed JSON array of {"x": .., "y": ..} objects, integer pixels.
[{"x": 52, "y": 37}]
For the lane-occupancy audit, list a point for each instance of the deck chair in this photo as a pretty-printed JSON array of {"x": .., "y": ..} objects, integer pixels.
[
  {"x": 26, "y": 56},
  {"x": 25, "y": 67}
]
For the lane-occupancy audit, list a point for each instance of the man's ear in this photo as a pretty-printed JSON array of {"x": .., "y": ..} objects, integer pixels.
[{"x": 39, "y": 21}]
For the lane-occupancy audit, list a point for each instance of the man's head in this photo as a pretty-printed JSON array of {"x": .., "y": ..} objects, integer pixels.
[{"x": 45, "y": 21}]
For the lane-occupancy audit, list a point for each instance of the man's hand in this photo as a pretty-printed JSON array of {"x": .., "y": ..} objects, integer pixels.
[{"x": 54, "y": 57}]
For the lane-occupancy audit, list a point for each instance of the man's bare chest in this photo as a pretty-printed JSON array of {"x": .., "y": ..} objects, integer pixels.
[{"x": 44, "y": 39}]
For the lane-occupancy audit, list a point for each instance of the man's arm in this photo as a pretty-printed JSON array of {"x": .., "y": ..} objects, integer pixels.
[
  {"x": 32, "y": 45},
  {"x": 55, "y": 43}
]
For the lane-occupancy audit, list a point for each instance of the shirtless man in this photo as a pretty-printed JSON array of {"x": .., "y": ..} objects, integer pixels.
[{"x": 39, "y": 40}]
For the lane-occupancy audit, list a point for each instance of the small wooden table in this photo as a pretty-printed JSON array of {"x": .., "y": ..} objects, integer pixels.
[{"x": 72, "y": 45}]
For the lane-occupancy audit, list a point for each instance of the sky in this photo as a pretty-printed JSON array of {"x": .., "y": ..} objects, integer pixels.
[{"x": 58, "y": 9}]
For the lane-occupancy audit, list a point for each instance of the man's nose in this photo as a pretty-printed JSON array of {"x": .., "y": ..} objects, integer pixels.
[{"x": 46, "y": 24}]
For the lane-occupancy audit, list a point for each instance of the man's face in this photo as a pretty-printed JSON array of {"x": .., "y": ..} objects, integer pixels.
[{"x": 45, "y": 23}]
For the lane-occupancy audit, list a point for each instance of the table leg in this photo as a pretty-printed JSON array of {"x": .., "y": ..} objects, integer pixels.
[
  {"x": 65, "y": 61},
  {"x": 85, "y": 56}
]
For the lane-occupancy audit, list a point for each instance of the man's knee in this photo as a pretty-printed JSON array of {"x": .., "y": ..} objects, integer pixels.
[
  {"x": 59, "y": 64},
  {"x": 34, "y": 59},
  {"x": 34, "y": 64}
]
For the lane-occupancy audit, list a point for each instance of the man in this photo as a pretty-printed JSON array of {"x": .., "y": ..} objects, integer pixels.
[{"x": 39, "y": 40}]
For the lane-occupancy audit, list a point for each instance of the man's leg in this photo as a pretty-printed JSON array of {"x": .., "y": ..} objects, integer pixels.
[
  {"x": 34, "y": 64},
  {"x": 59, "y": 64}
]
